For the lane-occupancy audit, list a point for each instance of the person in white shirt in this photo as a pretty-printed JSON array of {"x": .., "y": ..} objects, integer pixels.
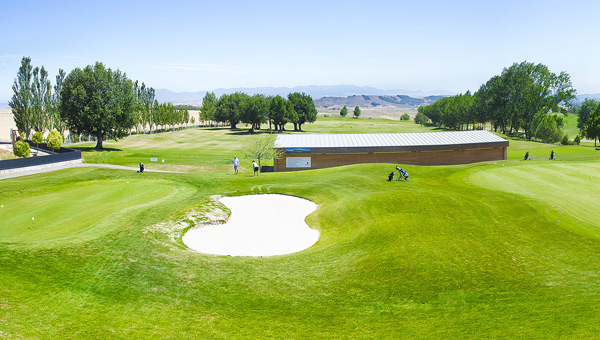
[
  {"x": 236, "y": 164},
  {"x": 255, "y": 168}
]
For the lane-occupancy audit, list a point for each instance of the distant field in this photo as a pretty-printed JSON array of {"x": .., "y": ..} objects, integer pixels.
[
  {"x": 382, "y": 112},
  {"x": 496, "y": 250}
]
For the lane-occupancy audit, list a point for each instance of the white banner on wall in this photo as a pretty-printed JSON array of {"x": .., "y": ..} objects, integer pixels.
[{"x": 297, "y": 162}]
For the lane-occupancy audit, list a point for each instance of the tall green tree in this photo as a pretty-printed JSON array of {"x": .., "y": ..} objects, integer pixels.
[
  {"x": 357, "y": 112},
  {"x": 20, "y": 102},
  {"x": 207, "y": 111},
  {"x": 344, "y": 111},
  {"x": 255, "y": 111},
  {"x": 278, "y": 112},
  {"x": 531, "y": 90},
  {"x": 41, "y": 100},
  {"x": 304, "y": 107},
  {"x": 587, "y": 109},
  {"x": 55, "y": 120},
  {"x": 229, "y": 107},
  {"x": 290, "y": 114},
  {"x": 592, "y": 126},
  {"x": 98, "y": 101}
]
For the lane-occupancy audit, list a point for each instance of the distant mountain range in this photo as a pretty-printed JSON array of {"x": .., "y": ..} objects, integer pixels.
[
  {"x": 325, "y": 96},
  {"x": 582, "y": 97},
  {"x": 400, "y": 101},
  {"x": 315, "y": 91}
]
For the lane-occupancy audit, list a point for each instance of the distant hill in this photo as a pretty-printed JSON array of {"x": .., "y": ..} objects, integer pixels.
[
  {"x": 316, "y": 91},
  {"x": 400, "y": 101},
  {"x": 582, "y": 97}
]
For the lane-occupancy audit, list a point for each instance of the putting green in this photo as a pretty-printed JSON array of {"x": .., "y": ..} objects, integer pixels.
[
  {"x": 570, "y": 190},
  {"x": 78, "y": 212}
]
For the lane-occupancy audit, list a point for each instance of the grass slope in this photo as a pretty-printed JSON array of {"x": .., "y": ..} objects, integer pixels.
[{"x": 472, "y": 251}]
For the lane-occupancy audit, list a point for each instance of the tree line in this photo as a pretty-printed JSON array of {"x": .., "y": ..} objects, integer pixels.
[
  {"x": 36, "y": 104},
  {"x": 106, "y": 104},
  {"x": 522, "y": 98},
  {"x": 93, "y": 101},
  {"x": 233, "y": 109}
]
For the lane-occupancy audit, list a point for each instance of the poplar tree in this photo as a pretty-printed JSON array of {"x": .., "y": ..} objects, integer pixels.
[
  {"x": 55, "y": 120},
  {"x": 21, "y": 100},
  {"x": 41, "y": 95},
  {"x": 207, "y": 111}
]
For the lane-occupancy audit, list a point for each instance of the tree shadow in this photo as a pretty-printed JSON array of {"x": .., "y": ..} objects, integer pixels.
[
  {"x": 91, "y": 148},
  {"x": 246, "y": 132}
]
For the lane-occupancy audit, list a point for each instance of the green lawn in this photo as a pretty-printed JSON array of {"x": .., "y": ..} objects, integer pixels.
[{"x": 491, "y": 250}]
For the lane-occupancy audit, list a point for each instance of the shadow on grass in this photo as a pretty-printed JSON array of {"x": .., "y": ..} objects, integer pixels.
[{"x": 91, "y": 149}]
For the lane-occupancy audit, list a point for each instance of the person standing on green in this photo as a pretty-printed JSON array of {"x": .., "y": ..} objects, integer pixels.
[
  {"x": 255, "y": 166},
  {"x": 236, "y": 164}
]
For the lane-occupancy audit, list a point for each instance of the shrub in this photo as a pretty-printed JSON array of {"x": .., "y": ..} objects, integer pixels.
[
  {"x": 577, "y": 140},
  {"x": 37, "y": 138},
  {"x": 405, "y": 116},
  {"x": 21, "y": 149},
  {"x": 421, "y": 118},
  {"x": 55, "y": 140},
  {"x": 547, "y": 128},
  {"x": 565, "y": 140}
]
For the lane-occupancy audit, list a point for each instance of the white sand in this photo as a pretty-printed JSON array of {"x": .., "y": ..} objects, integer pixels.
[{"x": 259, "y": 225}]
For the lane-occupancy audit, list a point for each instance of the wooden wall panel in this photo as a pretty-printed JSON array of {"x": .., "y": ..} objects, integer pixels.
[{"x": 319, "y": 161}]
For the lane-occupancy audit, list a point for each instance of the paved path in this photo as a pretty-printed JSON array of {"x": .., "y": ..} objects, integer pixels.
[{"x": 37, "y": 170}]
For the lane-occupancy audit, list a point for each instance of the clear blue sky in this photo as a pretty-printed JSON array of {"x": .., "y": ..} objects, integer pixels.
[{"x": 203, "y": 45}]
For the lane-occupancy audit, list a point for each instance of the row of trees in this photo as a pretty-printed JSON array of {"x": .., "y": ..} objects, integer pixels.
[
  {"x": 256, "y": 110},
  {"x": 148, "y": 112},
  {"x": 35, "y": 103},
  {"x": 522, "y": 98},
  {"x": 92, "y": 101},
  {"x": 344, "y": 111}
]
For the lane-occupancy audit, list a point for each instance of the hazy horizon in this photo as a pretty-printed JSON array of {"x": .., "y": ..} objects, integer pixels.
[{"x": 191, "y": 46}]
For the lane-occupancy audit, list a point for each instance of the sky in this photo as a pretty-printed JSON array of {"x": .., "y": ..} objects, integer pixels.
[{"x": 188, "y": 46}]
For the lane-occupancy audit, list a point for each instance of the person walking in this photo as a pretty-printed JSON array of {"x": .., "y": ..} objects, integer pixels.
[
  {"x": 255, "y": 166},
  {"x": 236, "y": 164},
  {"x": 552, "y": 155}
]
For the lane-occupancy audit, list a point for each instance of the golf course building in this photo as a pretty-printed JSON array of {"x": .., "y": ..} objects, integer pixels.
[{"x": 316, "y": 151}]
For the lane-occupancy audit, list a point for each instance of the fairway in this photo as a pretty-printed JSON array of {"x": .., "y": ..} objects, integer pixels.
[
  {"x": 572, "y": 190},
  {"x": 490, "y": 250}
]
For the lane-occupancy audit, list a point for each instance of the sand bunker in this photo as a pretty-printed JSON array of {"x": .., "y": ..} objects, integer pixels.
[{"x": 259, "y": 225}]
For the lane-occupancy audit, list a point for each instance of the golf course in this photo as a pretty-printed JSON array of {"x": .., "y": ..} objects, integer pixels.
[{"x": 495, "y": 250}]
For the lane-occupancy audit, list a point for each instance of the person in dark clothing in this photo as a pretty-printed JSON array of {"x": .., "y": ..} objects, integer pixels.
[
  {"x": 142, "y": 167},
  {"x": 391, "y": 177},
  {"x": 552, "y": 155},
  {"x": 526, "y": 156}
]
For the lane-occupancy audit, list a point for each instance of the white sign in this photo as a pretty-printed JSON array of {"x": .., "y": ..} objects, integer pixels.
[
  {"x": 153, "y": 159},
  {"x": 297, "y": 162}
]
